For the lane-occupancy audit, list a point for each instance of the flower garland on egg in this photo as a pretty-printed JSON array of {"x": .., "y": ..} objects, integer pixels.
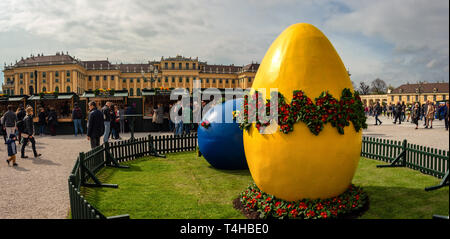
[
  {"x": 348, "y": 204},
  {"x": 327, "y": 109}
]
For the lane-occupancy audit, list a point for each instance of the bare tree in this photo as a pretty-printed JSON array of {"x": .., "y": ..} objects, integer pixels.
[
  {"x": 378, "y": 86},
  {"x": 363, "y": 88}
]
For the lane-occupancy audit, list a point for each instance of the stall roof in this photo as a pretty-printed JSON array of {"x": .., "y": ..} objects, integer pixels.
[
  {"x": 88, "y": 94},
  {"x": 60, "y": 97},
  {"x": 20, "y": 98}
]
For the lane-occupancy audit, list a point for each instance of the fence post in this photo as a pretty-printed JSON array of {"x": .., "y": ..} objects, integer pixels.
[
  {"x": 82, "y": 168},
  {"x": 400, "y": 160}
]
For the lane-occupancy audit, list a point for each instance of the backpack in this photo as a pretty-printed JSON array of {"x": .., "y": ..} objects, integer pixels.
[
  {"x": 78, "y": 114},
  {"x": 20, "y": 125}
]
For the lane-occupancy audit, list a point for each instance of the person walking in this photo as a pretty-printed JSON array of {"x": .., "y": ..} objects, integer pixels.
[
  {"x": 116, "y": 122},
  {"x": 42, "y": 121},
  {"x": 77, "y": 116},
  {"x": 424, "y": 113},
  {"x": 446, "y": 115},
  {"x": 430, "y": 115},
  {"x": 408, "y": 112},
  {"x": 415, "y": 115},
  {"x": 96, "y": 126},
  {"x": 377, "y": 113},
  {"x": 52, "y": 121},
  {"x": 106, "y": 110},
  {"x": 20, "y": 115},
  {"x": 398, "y": 113},
  {"x": 122, "y": 119},
  {"x": 159, "y": 117},
  {"x": 9, "y": 120},
  {"x": 12, "y": 149},
  {"x": 28, "y": 132}
]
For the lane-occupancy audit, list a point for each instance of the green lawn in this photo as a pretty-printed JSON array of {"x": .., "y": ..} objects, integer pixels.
[{"x": 185, "y": 186}]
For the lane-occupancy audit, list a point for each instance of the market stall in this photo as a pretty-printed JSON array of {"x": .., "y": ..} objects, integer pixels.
[
  {"x": 14, "y": 100},
  {"x": 117, "y": 97},
  {"x": 62, "y": 103}
]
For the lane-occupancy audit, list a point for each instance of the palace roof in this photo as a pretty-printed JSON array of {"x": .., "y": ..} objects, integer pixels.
[{"x": 424, "y": 88}]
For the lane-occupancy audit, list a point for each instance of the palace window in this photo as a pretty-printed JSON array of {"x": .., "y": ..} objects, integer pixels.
[
  {"x": 187, "y": 79},
  {"x": 220, "y": 81},
  {"x": 21, "y": 75},
  {"x": 68, "y": 89},
  {"x": 67, "y": 73},
  {"x": 187, "y": 66},
  {"x": 392, "y": 98},
  {"x": 44, "y": 89},
  {"x": 180, "y": 66},
  {"x": 226, "y": 81},
  {"x": 173, "y": 79},
  {"x": 56, "y": 80},
  {"x": 417, "y": 98},
  {"x": 159, "y": 79},
  {"x": 138, "y": 80},
  {"x": 124, "y": 80},
  {"x": 193, "y": 66},
  {"x": 249, "y": 79},
  {"x": 214, "y": 80},
  {"x": 31, "y": 81},
  {"x": 43, "y": 81},
  {"x": 138, "y": 93},
  {"x": 57, "y": 89},
  {"x": 180, "y": 79},
  {"x": 173, "y": 65},
  {"x": 166, "y": 65},
  {"x": 443, "y": 97},
  {"x": 407, "y": 98},
  {"x": 97, "y": 78},
  {"x": 145, "y": 80},
  {"x": 167, "y": 79},
  {"x": 104, "y": 77},
  {"x": 68, "y": 79},
  {"x": 21, "y": 91},
  {"x": 44, "y": 75},
  {"x": 90, "y": 78},
  {"x": 424, "y": 98},
  {"x": 131, "y": 80},
  {"x": 12, "y": 92},
  {"x": 399, "y": 98},
  {"x": 112, "y": 77},
  {"x": 207, "y": 80},
  {"x": 131, "y": 91},
  {"x": 56, "y": 73},
  {"x": 31, "y": 74}
]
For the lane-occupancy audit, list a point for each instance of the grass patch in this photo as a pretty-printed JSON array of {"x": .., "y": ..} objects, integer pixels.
[{"x": 187, "y": 187}]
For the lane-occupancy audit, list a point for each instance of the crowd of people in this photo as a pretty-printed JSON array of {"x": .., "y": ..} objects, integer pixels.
[
  {"x": 413, "y": 113},
  {"x": 18, "y": 126}
]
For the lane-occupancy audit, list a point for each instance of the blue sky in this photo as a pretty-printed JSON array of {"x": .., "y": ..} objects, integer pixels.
[{"x": 398, "y": 41}]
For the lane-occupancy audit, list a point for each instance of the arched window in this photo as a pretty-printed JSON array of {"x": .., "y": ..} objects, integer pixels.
[
  {"x": 138, "y": 93},
  {"x": 31, "y": 90},
  {"x": 44, "y": 89},
  {"x": 68, "y": 89},
  {"x": 21, "y": 91},
  {"x": 57, "y": 89}
]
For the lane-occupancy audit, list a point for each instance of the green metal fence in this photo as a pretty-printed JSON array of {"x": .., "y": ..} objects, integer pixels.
[
  {"x": 428, "y": 160},
  {"x": 111, "y": 154}
]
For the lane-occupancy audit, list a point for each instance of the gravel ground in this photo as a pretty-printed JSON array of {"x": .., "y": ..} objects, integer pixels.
[
  {"x": 38, "y": 187},
  {"x": 437, "y": 137}
]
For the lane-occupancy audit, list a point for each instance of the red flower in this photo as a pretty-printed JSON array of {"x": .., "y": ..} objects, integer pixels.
[
  {"x": 324, "y": 214},
  {"x": 310, "y": 213},
  {"x": 277, "y": 204},
  {"x": 266, "y": 209},
  {"x": 294, "y": 213},
  {"x": 302, "y": 205},
  {"x": 319, "y": 207},
  {"x": 269, "y": 199}
]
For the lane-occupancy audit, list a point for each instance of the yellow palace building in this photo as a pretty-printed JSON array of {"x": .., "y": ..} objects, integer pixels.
[
  {"x": 63, "y": 73},
  {"x": 411, "y": 93}
]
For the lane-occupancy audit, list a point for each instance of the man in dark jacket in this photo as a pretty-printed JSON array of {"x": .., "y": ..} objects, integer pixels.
[
  {"x": 28, "y": 133},
  {"x": 77, "y": 116},
  {"x": 96, "y": 126},
  {"x": 378, "y": 110},
  {"x": 9, "y": 121},
  {"x": 398, "y": 113},
  {"x": 20, "y": 117},
  {"x": 106, "y": 110}
]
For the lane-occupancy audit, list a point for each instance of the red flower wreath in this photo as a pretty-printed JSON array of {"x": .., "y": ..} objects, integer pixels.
[{"x": 205, "y": 124}]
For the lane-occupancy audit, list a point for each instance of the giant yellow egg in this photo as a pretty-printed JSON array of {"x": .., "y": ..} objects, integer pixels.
[{"x": 300, "y": 164}]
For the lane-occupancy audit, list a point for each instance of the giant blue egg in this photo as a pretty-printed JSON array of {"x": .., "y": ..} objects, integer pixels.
[{"x": 221, "y": 144}]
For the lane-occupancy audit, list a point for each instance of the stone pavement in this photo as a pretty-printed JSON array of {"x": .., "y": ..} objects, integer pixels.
[
  {"x": 38, "y": 187},
  {"x": 437, "y": 137}
]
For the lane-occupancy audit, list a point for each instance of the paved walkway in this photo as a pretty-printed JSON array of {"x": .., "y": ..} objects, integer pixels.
[
  {"x": 437, "y": 137},
  {"x": 38, "y": 187}
]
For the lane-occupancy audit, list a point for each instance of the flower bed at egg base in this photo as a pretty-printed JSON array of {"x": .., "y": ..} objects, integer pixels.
[{"x": 255, "y": 204}]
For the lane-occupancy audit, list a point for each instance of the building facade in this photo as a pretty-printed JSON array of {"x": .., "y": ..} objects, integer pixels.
[
  {"x": 63, "y": 73},
  {"x": 411, "y": 93}
]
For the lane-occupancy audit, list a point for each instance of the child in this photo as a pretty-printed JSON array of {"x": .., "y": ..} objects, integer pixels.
[{"x": 12, "y": 150}]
